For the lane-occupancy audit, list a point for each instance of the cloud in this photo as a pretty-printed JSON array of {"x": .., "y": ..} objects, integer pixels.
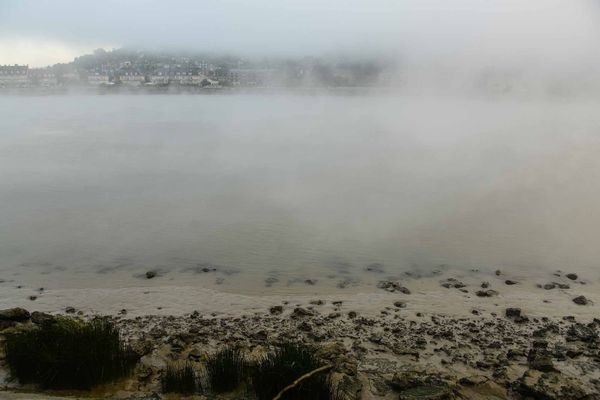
[{"x": 543, "y": 31}]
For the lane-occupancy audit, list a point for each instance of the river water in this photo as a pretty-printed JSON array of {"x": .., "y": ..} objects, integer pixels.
[{"x": 293, "y": 190}]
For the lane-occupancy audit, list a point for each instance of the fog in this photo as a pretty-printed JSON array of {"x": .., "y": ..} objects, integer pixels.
[
  {"x": 480, "y": 152},
  {"x": 296, "y": 186},
  {"x": 535, "y": 34}
]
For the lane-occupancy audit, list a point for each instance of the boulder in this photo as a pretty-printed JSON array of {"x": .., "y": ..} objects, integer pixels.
[
  {"x": 16, "y": 314},
  {"x": 581, "y": 300}
]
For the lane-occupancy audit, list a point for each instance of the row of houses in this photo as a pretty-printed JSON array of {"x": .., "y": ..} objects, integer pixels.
[{"x": 23, "y": 76}]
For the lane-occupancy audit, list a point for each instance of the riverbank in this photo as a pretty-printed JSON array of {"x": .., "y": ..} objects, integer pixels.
[{"x": 463, "y": 338}]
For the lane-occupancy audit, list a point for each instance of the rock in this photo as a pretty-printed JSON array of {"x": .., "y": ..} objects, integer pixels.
[
  {"x": 562, "y": 285},
  {"x": 572, "y": 276},
  {"x": 581, "y": 332},
  {"x": 486, "y": 293},
  {"x": 392, "y": 287},
  {"x": 352, "y": 314},
  {"x": 300, "y": 312},
  {"x": 400, "y": 304},
  {"x": 317, "y": 302},
  {"x": 510, "y": 282},
  {"x": 539, "y": 357},
  {"x": 581, "y": 300},
  {"x": 150, "y": 274},
  {"x": 70, "y": 310},
  {"x": 485, "y": 285},
  {"x": 549, "y": 386},
  {"x": 271, "y": 281},
  {"x": 276, "y": 310},
  {"x": 16, "y": 314},
  {"x": 39, "y": 318},
  {"x": 32, "y": 298},
  {"x": 512, "y": 312},
  {"x": 375, "y": 267},
  {"x": 310, "y": 282},
  {"x": 426, "y": 393},
  {"x": 549, "y": 286},
  {"x": 498, "y": 272}
]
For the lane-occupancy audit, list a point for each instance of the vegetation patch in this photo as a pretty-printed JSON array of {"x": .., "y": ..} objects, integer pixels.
[
  {"x": 180, "y": 378},
  {"x": 66, "y": 353},
  {"x": 225, "y": 370},
  {"x": 285, "y": 366}
]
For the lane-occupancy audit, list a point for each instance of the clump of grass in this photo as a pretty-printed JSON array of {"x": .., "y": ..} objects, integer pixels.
[
  {"x": 225, "y": 370},
  {"x": 69, "y": 354},
  {"x": 279, "y": 369},
  {"x": 180, "y": 378}
]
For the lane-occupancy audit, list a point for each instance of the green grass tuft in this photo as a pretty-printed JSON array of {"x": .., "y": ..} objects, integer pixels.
[
  {"x": 69, "y": 354},
  {"x": 225, "y": 370},
  {"x": 180, "y": 378},
  {"x": 279, "y": 369}
]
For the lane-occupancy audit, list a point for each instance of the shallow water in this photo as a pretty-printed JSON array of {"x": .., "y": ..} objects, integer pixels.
[{"x": 97, "y": 190}]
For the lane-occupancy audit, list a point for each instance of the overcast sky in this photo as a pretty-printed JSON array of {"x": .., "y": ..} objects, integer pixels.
[{"x": 556, "y": 32}]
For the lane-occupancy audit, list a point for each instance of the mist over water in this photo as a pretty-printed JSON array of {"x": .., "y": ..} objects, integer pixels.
[{"x": 304, "y": 186}]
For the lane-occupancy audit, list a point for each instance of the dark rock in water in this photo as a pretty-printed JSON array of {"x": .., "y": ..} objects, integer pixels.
[
  {"x": 32, "y": 298},
  {"x": 486, "y": 293},
  {"x": 270, "y": 281},
  {"x": 14, "y": 314},
  {"x": 498, "y": 272},
  {"x": 510, "y": 282},
  {"x": 581, "y": 300},
  {"x": 485, "y": 285},
  {"x": 70, "y": 310},
  {"x": 352, "y": 314},
  {"x": 562, "y": 285},
  {"x": 39, "y": 318},
  {"x": 393, "y": 287},
  {"x": 513, "y": 312},
  {"x": 150, "y": 274},
  {"x": 311, "y": 282},
  {"x": 400, "y": 304},
  {"x": 572, "y": 276},
  {"x": 317, "y": 302},
  {"x": 276, "y": 310},
  {"x": 549, "y": 286},
  {"x": 375, "y": 267}
]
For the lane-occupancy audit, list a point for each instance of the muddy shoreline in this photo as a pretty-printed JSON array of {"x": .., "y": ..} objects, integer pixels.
[{"x": 494, "y": 340}]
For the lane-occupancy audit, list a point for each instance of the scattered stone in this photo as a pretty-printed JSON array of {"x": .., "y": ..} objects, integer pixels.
[
  {"x": 581, "y": 332},
  {"x": 300, "y": 312},
  {"x": 549, "y": 286},
  {"x": 352, "y": 314},
  {"x": 150, "y": 274},
  {"x": 375, "y": 267},
  {"x": 70, "y": 310},
  {"x": 16, "y": 314},
  {"x": 498, "y": 272},
  {"x": 393, "y": 287},
  {"x": 510, "y": 282},
  {"x": 276, "y": 310},
  {"x": 572, "y": 276},
  {"x": 486, "y": 293},
  {"x": 400, "y": 304},
  {"x": 271, "y": 281},
  {"x": 513, "y": 312},
  {"x": 485, "y": 285},
  {"x": 310, "y": 282},
  {"x": 581, "y": 300},
  {"x": 32, "y": 298}
]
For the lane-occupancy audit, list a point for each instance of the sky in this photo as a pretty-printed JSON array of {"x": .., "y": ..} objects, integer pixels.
[{"x": 549, "y": 32}]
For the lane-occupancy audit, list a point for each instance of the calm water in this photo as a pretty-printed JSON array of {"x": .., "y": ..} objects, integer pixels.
[{"x": 294, "y": 187}]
